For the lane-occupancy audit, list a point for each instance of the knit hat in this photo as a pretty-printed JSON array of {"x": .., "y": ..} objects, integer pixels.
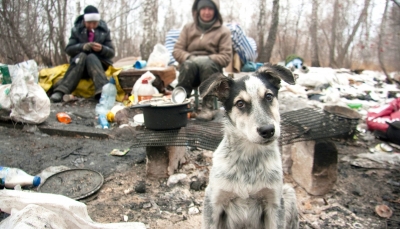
[
  {"x": 90, "y": 13},
  {"x": 203, "y": 3}
]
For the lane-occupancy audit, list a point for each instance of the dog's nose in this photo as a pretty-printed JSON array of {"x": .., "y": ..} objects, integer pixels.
[{"x": 266, "y": 131}]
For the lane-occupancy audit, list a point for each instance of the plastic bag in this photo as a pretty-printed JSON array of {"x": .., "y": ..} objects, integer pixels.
[
  {"x": 159, "y": 57},
  {"x": 5, "y": 100},
  {"x": 27, "y": 69},
  {"x": 38, "y": 210},
  {"x": 146, "y": 76},
  {"x": 29, "y": 102},
  {"x": 4, "y": 74}
]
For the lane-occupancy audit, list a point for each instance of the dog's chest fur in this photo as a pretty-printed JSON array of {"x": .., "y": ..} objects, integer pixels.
[{"x": 245, "y": 169}]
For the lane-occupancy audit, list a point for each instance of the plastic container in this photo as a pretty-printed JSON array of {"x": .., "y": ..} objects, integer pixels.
[
  {"x": 111, "y": 114},
  {"x": 103, "y": 121},
  {"x": 108, "y": 96},
  {"x": 63, "y": 117},
  {"x": 11, "y": 177},
  {"x": 145, "y": 91}
]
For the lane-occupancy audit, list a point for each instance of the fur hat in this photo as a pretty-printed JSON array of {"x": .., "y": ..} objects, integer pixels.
[
  {"x": 203, "y": 3},
  {"x": 90, "y": 13}
]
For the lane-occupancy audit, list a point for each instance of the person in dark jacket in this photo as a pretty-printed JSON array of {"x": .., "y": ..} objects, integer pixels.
[
  {"x": 204, "y": 47},
  {"x": 91, "y": 50}
]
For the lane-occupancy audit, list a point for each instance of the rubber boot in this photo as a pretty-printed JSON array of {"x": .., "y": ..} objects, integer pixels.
[
  {"x": 207, "y": 112},
  {"x": 56, "y": 97}
]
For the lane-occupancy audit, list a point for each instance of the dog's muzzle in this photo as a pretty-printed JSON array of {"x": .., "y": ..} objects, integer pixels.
[{"x": 266, "y": 131}]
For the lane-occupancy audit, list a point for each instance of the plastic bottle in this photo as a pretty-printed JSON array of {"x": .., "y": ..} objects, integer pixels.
[
  {"x": 103, "y": 121},
  {"x": 107, "y": 100},
  {"x": 10, "y": 177},
  {"x": 145, "y": 91}
]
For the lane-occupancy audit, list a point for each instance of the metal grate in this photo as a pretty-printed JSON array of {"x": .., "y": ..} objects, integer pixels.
[
  {"x": 312, "y": 124},
  {"x": 300, "y": 125},
  {"x": 205, "y": 135}
]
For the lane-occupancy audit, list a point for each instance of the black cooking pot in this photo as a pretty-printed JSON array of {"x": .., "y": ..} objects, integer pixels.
[{"x": 165, "y": 116}]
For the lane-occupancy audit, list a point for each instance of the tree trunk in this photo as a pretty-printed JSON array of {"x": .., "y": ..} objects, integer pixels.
[
  {"x": 344, "y": 50},
  {"x": 78, "y": 7},
  {"x": 314, "y": 38},
  {"x": 261, "y": 28},
  {"x": 294, "y": 50},
  {"x": 332, "y": 47},
  {"x": 273, "y": 30},
  {"x": 395, "y": 2},
  {"x": 380, "y": 46},
  {"x": 149, "y": 28}
]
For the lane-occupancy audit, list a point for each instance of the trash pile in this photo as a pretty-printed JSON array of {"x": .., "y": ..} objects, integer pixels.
[{"x": 363, "y": 91}]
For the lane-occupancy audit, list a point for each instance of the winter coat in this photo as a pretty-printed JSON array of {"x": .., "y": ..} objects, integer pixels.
[
  {"x": 79, "y": 37},
  {"x": 216, "y": 42}
]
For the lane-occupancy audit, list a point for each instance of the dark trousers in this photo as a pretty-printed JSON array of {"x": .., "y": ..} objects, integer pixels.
[
  {"x": 83, "y": 66},
  {"x": 193, "y": 72}
]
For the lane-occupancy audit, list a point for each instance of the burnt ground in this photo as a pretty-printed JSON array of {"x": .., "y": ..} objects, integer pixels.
[{"x": 128, "y": 192}]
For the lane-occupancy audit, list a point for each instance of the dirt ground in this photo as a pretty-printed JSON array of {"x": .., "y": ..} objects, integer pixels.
[{"x": 127, "y": 194}]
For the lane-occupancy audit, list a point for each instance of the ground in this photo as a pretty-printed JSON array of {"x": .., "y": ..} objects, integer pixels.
[{"x": 350, "y": 204}]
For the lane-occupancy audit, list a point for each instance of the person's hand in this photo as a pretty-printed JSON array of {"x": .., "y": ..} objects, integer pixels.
[
  {"x": 97, "y": 47},
  {"x": 202, "y": 58},
  {"x": 87, "y": 47},
  {"x": 191, "y": 57}
]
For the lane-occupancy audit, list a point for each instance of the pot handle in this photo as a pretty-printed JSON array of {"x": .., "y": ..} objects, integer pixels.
[
  {"x": 140, "y": 106},
  {"x": 186, "y": 111}
]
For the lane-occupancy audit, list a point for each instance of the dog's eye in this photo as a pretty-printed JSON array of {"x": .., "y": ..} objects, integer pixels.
[
  {"x": 240, "y": 104},
  {"x": 269, "y": 97}
]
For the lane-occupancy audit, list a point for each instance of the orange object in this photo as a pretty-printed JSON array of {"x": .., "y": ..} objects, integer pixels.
[{"x": 63, "y": 117}]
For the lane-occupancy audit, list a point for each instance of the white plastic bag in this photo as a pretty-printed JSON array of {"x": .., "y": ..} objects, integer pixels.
[
  {"x": 40, "y": 210},
  {"x": 29, "y": 70},
  {"x": 159, "y": 57},
  {"x": 5, "y": 100},
  {"x": 29, "y": 102},
  {"x": 146, "y": 76}
]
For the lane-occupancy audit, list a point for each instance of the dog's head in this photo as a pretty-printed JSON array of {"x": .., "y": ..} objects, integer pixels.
[{"x": 251, "y": 103}]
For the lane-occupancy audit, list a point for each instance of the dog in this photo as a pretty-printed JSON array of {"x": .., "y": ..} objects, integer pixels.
[{"x": 246, "y": 189}]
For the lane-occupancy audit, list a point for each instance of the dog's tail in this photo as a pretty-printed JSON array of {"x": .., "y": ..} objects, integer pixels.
[{"x": 291, "y": 212}]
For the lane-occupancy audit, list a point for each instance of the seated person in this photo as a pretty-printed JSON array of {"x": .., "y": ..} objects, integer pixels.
[
  {"x": 91, "y": 51},
  {"x": 204, "y": 47}
]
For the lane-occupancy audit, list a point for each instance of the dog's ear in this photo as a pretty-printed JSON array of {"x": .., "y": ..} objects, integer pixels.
[
  {"x": 217, "y": 85},
  {"x": 275, "y": 73}
]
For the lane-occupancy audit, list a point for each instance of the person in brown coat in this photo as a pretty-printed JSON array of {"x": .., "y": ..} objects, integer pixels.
[{"x": 204, "y": 47}]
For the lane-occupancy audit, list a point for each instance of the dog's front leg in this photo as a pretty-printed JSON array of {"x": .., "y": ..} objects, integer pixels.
[
  {"x": 274, "y": 213},
  {"x": 212, "y": 212}
]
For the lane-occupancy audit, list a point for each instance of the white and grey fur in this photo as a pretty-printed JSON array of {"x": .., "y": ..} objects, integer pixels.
[{"x": 246, "y": 189}]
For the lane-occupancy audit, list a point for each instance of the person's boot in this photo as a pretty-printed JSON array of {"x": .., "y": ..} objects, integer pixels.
[
  {"x": 56, "y": 97},
  {"x": 207, "y": 112}
]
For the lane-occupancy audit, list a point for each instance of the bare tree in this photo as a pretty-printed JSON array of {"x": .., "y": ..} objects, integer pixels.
[
  {"x": 261, "y": 28},
  {"x": 380, "y": 46},
  {"x": 265, "y": 54},
  {"x": 150, "y": 15},
  {"x": 343, "y": 51},
  {"x": 297, "y": 29},
  {"x": 332, "y": 46},
  {"x": 33, "y": 30},
  {"x": 314, "y": 37}
]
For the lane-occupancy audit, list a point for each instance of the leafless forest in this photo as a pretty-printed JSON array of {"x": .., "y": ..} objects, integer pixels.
[{"x": 336, "y": 33}]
